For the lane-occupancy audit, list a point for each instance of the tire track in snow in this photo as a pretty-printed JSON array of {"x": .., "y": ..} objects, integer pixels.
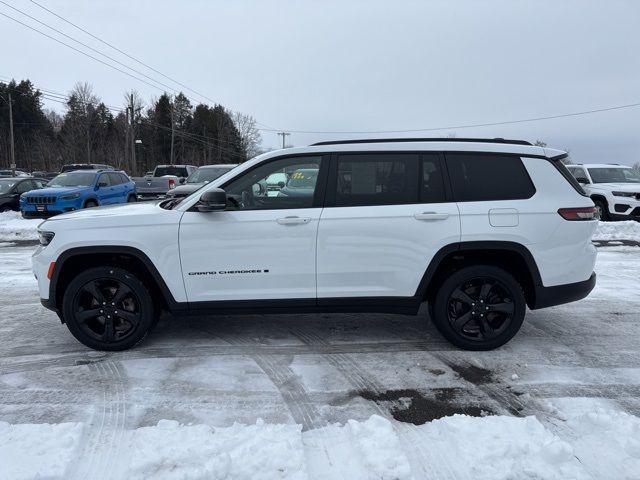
[
  {"x": 99, "y": 457},
  {"x": 409, "y": 435}
]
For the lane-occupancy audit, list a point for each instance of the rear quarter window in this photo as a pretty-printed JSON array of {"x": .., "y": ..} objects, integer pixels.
[{"x": 477, "y": 177}]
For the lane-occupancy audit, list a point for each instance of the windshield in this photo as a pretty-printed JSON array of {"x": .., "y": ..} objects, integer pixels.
[
  {"x": 170, "y": 170},
  {"x": 5, "y": 185},
  {"x": 303, "y": 179},
  {"x": 73, "y": 179},
  {"x": 204, "y": 175},
  {"x": 614, "y": 175}
]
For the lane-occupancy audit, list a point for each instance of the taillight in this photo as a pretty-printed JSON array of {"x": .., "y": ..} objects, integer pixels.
[
  {"x": 172, "y": 183},
  {"x": 582, "y": 213}
]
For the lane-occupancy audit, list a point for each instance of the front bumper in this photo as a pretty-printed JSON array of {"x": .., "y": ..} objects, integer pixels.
[
  {"x": 30, "y": 210},
  {"x": 560, "y": 294}
]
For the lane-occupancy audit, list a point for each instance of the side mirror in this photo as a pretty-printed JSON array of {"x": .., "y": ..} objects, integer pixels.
[
  {"x": 182, "y": 180},
  {"x": 102, "y": 184},
  {"x": 212, "y": 200},
  {"x": 281, "y": 184},
  {"x": 582, "y": 180}
]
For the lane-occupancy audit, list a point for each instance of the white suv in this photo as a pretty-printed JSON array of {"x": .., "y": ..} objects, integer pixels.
[
  {"x": 478, "y": 229},
  {"x": 615, "y": 189}
]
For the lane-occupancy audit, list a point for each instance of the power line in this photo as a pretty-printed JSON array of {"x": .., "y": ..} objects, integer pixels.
[
  {"x": 79, "y": 51},
  {"x": 474, "y": 125},
  {"x": 88, "y": 46},
  {"x": 122, "y": 52}
]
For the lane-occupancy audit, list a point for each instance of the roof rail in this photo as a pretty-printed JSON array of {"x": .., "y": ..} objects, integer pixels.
[{"x": 400, "y": 140}]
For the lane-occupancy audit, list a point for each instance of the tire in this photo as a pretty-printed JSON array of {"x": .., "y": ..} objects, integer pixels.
[
  {"x": 457, "y": 308},
  {"x": 131, "y": 199},
  {"x": 5, "y": 209},
  {"x": 98, "y": 325},
  {"x": 603, "y": 210},
  {"x": 90, "y": 204}
]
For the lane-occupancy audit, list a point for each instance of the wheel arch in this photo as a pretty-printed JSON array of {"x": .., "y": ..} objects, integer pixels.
[
  {"x": 512, "y": 257},
  {"x": 90, "y": 198},
  {"x": 74, "y": 260}
]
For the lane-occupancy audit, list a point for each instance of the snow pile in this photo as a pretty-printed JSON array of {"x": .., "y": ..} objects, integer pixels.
[
  {"x": 601, "y": 444},
  {"x": 627, "y": 230},
  {"x": 172, "y": 451},
  {"x": 37, "y": 451},
  {"x": 14, "y": 227}
]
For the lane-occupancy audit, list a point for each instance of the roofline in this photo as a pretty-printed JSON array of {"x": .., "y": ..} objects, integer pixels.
[{"x": 429, "y": 139}]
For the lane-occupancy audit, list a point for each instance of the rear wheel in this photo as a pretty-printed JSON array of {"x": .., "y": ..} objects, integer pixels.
[
  {"x": 603, "y": 210},
  {"x": 479, "y": 307},
  {"x": 108, "y": 308},
  {"x": 131, "y": 199},
  {"x": 90, "y": 204}
]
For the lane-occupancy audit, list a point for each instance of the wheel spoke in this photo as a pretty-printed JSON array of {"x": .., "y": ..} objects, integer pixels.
[
  {"x": 131, "y": 317},
  {"x": 505, "y": 307},
  {"x": 484, "y": 291},
  {"x": 93, "y": 289},
  {"x": 121, "y": 294},
  {"x": 460, "y": 322},
  {"x": 107, "y": 336},
  {"x": 487, "y": 329},
  {"x": 459, "y": 295},
  {"x": 85, "y": 315}
]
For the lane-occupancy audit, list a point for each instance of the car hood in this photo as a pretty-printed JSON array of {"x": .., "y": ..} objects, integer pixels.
[
  {"x": 120, "y": 210},
  {"x": 619, "y": 187},
  {"x": 56, "y": 191},
  {"x": 187, "y": 188}
]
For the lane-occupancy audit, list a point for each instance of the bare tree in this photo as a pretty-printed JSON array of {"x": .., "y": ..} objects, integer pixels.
[
  {"x": 636, "y": 166},
  {"x": 250, "y": 138}
]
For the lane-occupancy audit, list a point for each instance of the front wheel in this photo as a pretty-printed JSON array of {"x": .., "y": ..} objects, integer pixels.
[
  {"x": 90, "y": 204},
  {"x": 480, "y": 307},
  {"x": 108, "y": 308},
  {"x": 603, "y": 210},
  {"x": 131, "y": 199}
]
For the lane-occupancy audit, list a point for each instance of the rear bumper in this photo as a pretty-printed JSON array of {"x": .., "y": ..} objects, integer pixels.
[{"x": 559, "y": 294}]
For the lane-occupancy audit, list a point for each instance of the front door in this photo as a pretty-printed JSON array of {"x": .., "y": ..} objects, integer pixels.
[
  {"x": 262, "y": 246},
  {"x": 386, "y": 215}
]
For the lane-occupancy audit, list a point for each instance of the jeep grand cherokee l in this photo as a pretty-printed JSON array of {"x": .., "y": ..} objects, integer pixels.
[{"x": 478, "y": 229}]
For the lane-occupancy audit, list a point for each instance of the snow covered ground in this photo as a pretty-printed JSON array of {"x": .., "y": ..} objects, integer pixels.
[{"x": 324, "y": 396}]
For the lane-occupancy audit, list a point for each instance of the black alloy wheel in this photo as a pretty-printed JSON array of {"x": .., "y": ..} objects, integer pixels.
[
  {"x": 108, "y": 308},
  {"x": 479, "y": 307}
]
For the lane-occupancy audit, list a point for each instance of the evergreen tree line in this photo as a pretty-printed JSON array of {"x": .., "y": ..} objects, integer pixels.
[{"x": 168, "y": 130}]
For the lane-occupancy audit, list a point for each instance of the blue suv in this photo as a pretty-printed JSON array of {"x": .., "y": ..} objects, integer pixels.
[{"x": 78, "y": 189}]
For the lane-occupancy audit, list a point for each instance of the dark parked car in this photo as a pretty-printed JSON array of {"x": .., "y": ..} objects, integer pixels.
[
  {"x": 199, "y": 178},
  {"x": 12, "y": 188},
  {"x": 43, "y": 174},
  {"x": 13, "y": 173}
]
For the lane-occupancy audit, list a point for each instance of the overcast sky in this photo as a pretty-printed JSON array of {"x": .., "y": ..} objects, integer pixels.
[{"x": 365, "y": 65}]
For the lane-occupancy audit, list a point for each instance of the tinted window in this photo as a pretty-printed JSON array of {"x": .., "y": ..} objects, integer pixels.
[
  {"x": 251, "y": 190},
  {"x": 104, "y": 178},
  {"x": 614, "y": 175},
  {"x": 115, "y": 178},
  {"x": 73, "y": 179},
  {"x": 488, "y": 176},
  {"x": 171, "y": 170},
  {"x": 24, "y": 186},
  {"x": 432, "y": 184},
  {"x": 124, "y": 178},
  {"x": 376, "y": 179}
]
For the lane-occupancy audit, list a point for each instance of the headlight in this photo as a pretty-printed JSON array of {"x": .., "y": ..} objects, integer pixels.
[
  {"x": 624, "y": 194},
  {"x": 45, "y": 238},
  {"x": 73, "y": 196}
]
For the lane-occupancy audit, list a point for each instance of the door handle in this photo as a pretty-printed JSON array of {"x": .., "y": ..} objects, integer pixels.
[
  {"x": 293, "y": 220},
  {"x": 431, "y": 216}
]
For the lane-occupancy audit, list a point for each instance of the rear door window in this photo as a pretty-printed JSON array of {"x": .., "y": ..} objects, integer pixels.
[
  {"x": 432, "y": 188},
  {"x": 376, "y": 179},
  {"x": 115, "y": 178},
  {"x": 477, "y": 177}
]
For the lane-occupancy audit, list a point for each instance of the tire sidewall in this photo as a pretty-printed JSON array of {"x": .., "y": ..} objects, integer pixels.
[
  {"x": 146, "y": 307},
  {"x": 90, "y": 204},
  {"x": 440, "y": 307},
  {"x": 604, "y": 210}
]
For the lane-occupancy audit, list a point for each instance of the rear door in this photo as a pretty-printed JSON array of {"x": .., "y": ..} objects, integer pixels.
[
  {"x": 119, "y": 189},
  {"x": 385, "y": 216},
  {"x": 105, "y": 191}
]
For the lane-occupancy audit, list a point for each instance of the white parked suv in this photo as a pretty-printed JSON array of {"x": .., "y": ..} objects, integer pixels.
[
  {"x": 478, "y": 229},
  {"x": 615, "y": 189}
]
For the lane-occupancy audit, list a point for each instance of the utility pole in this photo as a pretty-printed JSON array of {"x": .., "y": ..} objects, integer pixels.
[
  {"x": 134, "y": 167},
  {"x": 284, "y": 135},
  {"x": 172, "y": 134},
  {"x": 13, "y": 152}
]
